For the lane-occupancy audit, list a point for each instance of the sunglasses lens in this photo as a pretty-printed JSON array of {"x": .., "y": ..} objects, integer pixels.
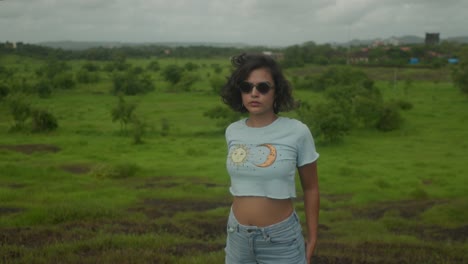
[
  {"x": 245, "y": 87},
  {"x": 263, "y": 87}
]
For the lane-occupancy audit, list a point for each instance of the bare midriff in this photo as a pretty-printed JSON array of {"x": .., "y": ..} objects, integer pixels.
[{"x": 261, "y": 211}]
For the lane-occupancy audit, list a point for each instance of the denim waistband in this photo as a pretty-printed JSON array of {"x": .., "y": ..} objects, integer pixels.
[{"x": 287, "y": 223}]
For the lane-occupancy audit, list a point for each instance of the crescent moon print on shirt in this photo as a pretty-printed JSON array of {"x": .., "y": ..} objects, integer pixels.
[{"x": 263, "y": 155}]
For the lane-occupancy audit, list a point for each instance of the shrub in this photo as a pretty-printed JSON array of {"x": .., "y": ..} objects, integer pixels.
[
  {"x": 172, "y": 73},
  {"x": 63, "y": 81},
  {"x": 130, "y": 83},
  {"x": 390, "y": 118},
  {"x": 90, "y": 67},
  {"x": 4, "y": 91},
  {"x": 119, "y": 171},
  {"x": 404, "y": 105},
  {"x": 327, "y": 121},
  {"x": 460, "y": 77},
  {"x": 43, "y": 121},
  {"x": 20, "y": 109},
  {"x": 43, "y": 88},
  {"x": 52, "y": 68},
  {"x": 217, "y": 68},
  {"x": 366, "y": 111},
  {"x": 138, "y": 130},
  {"x": 165, "y": 127},
  {"x": 186, "y": 82},
  {"x": 217, "y": 84},
  {"x": 153, "y": 66},
  {"x": 84, "y": 76},
  {"x": 123, "y": 112},
  {"x": 190, "y": 66}
]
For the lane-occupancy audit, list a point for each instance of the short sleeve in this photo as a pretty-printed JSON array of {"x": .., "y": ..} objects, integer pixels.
[{"x": 306, "y": 147}]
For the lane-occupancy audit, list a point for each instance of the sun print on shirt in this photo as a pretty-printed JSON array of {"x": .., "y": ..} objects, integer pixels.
[{"x": 241, "y": 154}]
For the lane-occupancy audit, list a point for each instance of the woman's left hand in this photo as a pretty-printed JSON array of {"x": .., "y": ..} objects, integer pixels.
[{"x": 310, "y": 248}]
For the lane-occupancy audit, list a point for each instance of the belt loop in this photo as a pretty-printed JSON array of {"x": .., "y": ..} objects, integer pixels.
[
  {"x": 265, "y": 234},
  {"x": 296, "y": 216}
]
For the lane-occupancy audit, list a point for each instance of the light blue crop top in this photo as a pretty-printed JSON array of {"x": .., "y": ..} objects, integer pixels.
[{"x": 263, "y": 161}]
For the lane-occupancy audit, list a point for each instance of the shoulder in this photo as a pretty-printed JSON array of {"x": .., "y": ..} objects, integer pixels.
[
  {"x": 235, "y": 126},
  {"x": 293, "y": 124}
]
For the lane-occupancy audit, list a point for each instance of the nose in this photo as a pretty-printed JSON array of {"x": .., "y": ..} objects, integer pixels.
[{"x": 255, "y": 92}]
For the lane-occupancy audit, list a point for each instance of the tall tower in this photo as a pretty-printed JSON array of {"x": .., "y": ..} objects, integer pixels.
[{"x": 432, "y": 38}]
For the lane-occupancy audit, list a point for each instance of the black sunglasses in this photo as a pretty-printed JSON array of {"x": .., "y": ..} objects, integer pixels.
[{"x": 262, "y": 87}]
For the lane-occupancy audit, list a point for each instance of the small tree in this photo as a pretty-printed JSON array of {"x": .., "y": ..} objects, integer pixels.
[
  {"x": 390, "y": 118},
  {"x": 123, "y": 113},
  {"x": 43, "y": 88},
  {"x": 153, "y": 66},
  {"x": 43, "y": 121},
  {"x": 186, "y": 82},
  {"x": 20, "y": 109},
  {"x": 326, "y": 120},
  {"x": 165, "y": 127},
  {"x": 190, "y": 66},
  {"x": 4, "y": 91},
  {"x": 63, "y": 80},
  {"x": 460, "y": 77},
  {"x": 89, "y": 66},
  {"x": 84, "y": 76},
  {"x": 217, "y": 84},
  {"x": 138, "y": 129},
  {"x": 172, "y": 73},
  {"x": 130, "y": 83}
]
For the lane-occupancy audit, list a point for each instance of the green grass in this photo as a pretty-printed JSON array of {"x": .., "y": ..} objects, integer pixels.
[{"x": 395, "y": 197}]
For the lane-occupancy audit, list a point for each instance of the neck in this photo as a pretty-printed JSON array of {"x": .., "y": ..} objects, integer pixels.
[{"x": 261, "y": 121}]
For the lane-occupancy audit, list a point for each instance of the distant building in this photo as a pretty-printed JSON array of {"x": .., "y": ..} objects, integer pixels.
[
  {"x": 453, "y": 61},
  {"x": 414, "y": 61},
  {"x": 274, "y": 55},
  {"x": 10, "y": 45},
  {"x": 393, "y": 41},
  {"x": 359, "y": 57},
  {"x": 432, "y": 38}
]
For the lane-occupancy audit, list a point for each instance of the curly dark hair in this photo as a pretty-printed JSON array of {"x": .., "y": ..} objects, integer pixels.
[{"x": 244, "y": 64}]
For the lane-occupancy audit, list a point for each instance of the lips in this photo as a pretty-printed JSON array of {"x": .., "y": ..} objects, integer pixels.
[{"x": 254, "y": 103}]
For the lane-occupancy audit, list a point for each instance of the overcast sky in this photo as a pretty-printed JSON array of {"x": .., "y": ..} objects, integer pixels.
[{"x": 258, "y": 22}]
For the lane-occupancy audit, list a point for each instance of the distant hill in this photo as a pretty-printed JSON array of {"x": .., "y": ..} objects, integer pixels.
[
  {"x": 83, "y": 45},
  {"x": 458, "y": 39},
  {"x": 409, "y": 39}
]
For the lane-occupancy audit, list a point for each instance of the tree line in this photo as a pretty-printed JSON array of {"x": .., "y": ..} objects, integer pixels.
[{"x": 291, "y": 56}]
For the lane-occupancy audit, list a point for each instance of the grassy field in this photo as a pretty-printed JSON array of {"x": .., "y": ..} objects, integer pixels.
[{"x": 86, "y": 194}]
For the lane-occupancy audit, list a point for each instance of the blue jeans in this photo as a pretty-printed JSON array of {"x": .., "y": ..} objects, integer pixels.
[{"x": 280, "y": 243}]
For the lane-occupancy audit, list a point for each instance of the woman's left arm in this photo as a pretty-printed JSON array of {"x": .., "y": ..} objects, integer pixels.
[{"x": 309, "y": 182}]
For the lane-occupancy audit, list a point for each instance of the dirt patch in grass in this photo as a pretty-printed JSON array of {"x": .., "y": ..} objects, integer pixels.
[
  {"x": 406, "y": 209},
  {"x": 39, "y": 237},
  {"x": 187, "y": 249},
  {"x": 198, "y": 228},
  {"x": 76, "y": 168},
  {"x": 383, "y": 253},
  {"x": 31, "y": 148},
  {"x": 435, "y": 233},
  {"x": 337, "y": 197},
  {"x": 156, "y": 208},
  {"x": 9, "y": 210},
  {"x": 16, "y": 185}
]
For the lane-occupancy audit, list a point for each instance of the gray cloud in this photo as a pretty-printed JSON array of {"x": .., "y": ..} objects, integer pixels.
[{"x": 265, "y": 22}]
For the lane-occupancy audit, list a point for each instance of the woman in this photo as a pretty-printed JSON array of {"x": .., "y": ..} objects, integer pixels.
[{"x": 264, "y": 151}]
